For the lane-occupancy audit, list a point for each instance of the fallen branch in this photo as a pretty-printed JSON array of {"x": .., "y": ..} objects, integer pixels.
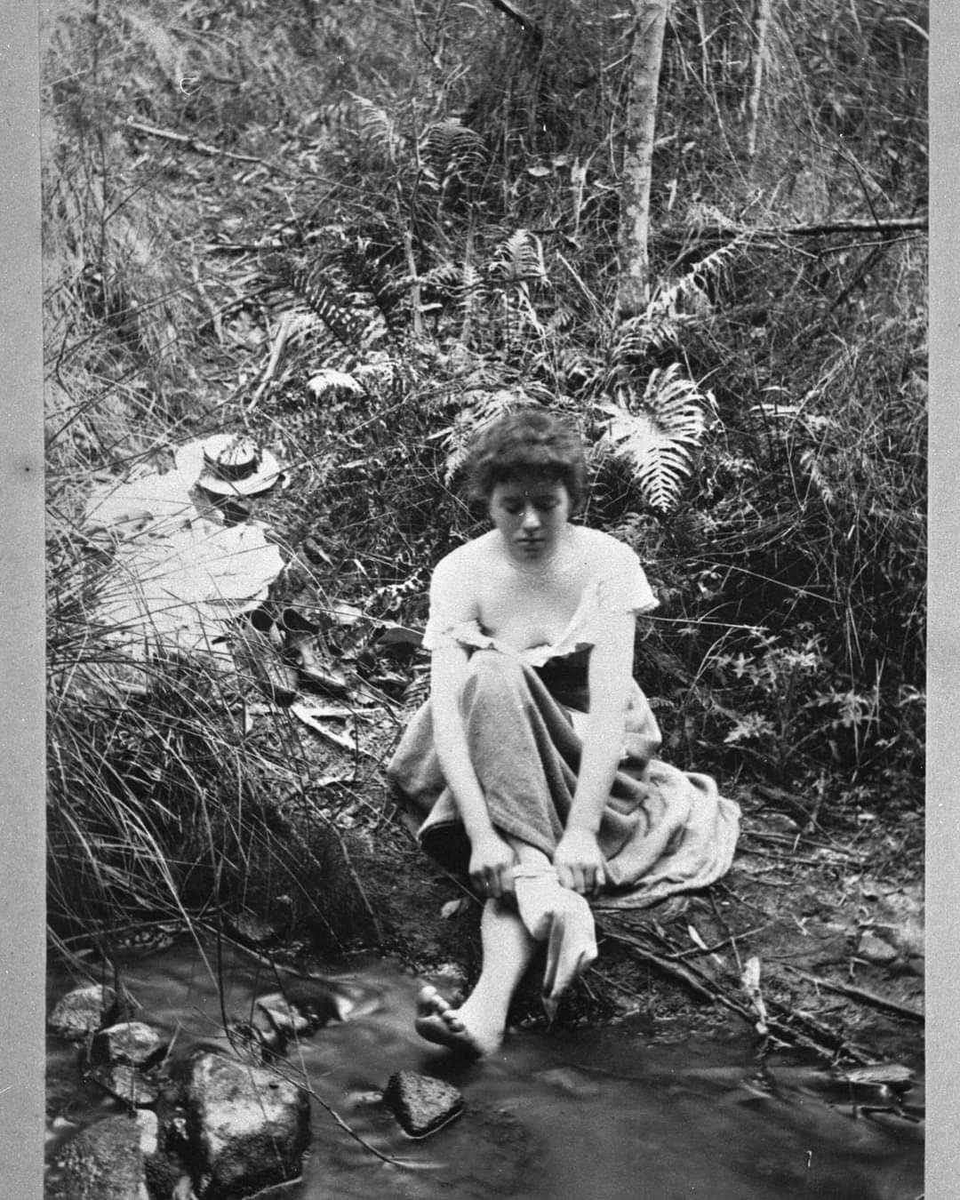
[
  {"x": 722, "y": 231},
  {"x": 822, "y": 1041},
  {"x": 192, "y": 143},
  {"x": 855, "y": 993}
]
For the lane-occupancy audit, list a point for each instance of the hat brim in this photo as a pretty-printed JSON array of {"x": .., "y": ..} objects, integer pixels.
[{"x": 266, "y": 476}]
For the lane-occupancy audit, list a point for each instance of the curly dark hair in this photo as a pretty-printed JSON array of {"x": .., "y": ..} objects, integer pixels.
[{"x": 528, "y": 441}]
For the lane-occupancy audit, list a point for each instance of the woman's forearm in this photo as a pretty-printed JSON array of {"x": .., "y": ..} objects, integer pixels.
[
  {"x": 451, "y": 746},
  {"x": 447, "y": 673},
  {"x": 610, "y": 684}
]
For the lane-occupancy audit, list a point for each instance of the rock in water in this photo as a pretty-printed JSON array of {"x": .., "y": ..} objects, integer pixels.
[
  {"x": 247, "y": 1126},
  {"x": 420, "y": 1103},
  {"x": 83, "y": 1010},
  {"x": 126, "y": 1083},
  {"x": 132, "y": 1042},
  {"x": 107, "y": 1161}
]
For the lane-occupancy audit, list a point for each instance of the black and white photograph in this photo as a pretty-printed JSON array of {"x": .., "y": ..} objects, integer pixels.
[{"x": 484, "y": 602}]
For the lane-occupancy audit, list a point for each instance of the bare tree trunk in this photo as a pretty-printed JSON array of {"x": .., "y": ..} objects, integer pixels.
[
  {"x": 761, "y": 19},
  {"x": 633, "y": 291}
]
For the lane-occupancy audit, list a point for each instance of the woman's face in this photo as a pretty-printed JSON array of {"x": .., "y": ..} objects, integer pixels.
[{"x": 531, "y": 515}]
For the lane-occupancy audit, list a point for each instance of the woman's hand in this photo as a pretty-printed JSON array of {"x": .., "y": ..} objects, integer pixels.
[
  {"x": 579, "y": 862},
  {"x": 491, "y": 863}
]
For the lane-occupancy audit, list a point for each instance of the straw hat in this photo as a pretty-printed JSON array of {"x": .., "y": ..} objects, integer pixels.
[{"x": 234, "y": 465}]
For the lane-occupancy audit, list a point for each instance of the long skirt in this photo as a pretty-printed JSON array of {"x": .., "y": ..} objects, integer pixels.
[{"x": 662, "y": 831}]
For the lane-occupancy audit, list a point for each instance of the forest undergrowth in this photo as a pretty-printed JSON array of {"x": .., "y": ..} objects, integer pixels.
[{"x": 360, "y": 232}]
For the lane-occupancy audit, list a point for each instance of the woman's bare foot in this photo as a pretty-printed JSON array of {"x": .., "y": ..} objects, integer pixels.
[{"x": 459, "y": 1029}]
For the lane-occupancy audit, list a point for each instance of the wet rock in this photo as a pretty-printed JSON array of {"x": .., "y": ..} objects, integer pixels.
[
  {"x": 247, "y": 1127},
  {"x": 286, "y": 1019},
  {"x": 420, "y": 1103},
  {"x": 83, "y": 1011},
  {"x": 319, "y": 1000},
  {"x": 126, "y": 1083},
  {"x": 273, "y": 1039},
  {"x": 252, "y": 929},
  {"x": 131, "y": 1042},
  {"x": 107, "y": 1161}
]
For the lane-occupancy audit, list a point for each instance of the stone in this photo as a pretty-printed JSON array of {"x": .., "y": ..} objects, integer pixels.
[
  {"x": 319, "y": 1000},
  {"x": 252, "y": 929},
  {"x": 132, "y": 1042},
  {"x": 126, "y": 1083},
  {"x": 271, "y": 1036},
  {"x": 285, "y": 1017},
  {"x": 83, "y": 1011},
  {"x": 421, "y": 1103},
  {"x": 247, "y": 1127},
  {"x": 106, "y": 1161}
]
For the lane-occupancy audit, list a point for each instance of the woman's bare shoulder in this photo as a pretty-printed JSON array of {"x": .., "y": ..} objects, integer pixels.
[
  {"x": 469, "y": 556},
  {"x": 602, "y": 549}
]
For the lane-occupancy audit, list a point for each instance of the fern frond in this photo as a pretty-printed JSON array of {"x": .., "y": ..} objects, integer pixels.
[
  {"x": 349, "y": 323},
  {"x": 376, "y": 127},
  {"x": 656, "y": 434},
  {"x": 819, "y": 480},
  {"x": 481, "y": 409},
  {"x": 670, "y": 308},
  {"x": 445, "y": 277},
  {"x": 453, "y": 152},
  {"x": 692, "y": 286},
  {"x": 368, "y": 274},
  {"x": 520, "y": 258}
]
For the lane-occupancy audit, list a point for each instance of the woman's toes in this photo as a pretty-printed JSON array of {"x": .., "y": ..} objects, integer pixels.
[{"x": 430, "y": 1001}]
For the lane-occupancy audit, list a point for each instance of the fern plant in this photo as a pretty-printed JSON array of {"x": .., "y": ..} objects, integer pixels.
[
  {"x": 481, "y": 408},
  {"x": 376, "y": 128},
  {"x": 657, "y": 433},
  {"x": 452, "y": 155},
  {"x": 674, "y": 306}
]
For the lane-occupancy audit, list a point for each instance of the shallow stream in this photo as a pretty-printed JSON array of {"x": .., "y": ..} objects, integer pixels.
[{"x": 600, "y": 1113}]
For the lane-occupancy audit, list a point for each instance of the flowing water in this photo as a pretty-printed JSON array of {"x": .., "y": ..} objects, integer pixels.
[{"x": 598, "y": 1114}]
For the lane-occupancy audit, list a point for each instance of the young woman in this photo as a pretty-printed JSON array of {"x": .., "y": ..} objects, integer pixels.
[{"x": 533, "y": 757}]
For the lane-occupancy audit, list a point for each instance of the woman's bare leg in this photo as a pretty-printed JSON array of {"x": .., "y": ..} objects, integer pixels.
[{"x": 478, "y": 1025}]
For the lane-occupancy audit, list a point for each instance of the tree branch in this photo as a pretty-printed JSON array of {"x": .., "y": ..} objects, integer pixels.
[
  {"x": 192, "y": 143},
  {"x": 855, "y": 993},
  {"x": 731, "y": 229},
  {"x": 526, "y": 23}
]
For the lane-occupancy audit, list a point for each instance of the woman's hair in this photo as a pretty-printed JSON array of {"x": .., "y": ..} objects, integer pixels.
[{"x": 528, "y": 441}]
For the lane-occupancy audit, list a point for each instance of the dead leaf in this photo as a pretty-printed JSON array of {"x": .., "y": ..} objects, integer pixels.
[
  {"x": 345, "y": 614},
  {"x": 696, "y": 938},
  {"x": 399, "y": 635},
  {"x": 451, "y": 908}
]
